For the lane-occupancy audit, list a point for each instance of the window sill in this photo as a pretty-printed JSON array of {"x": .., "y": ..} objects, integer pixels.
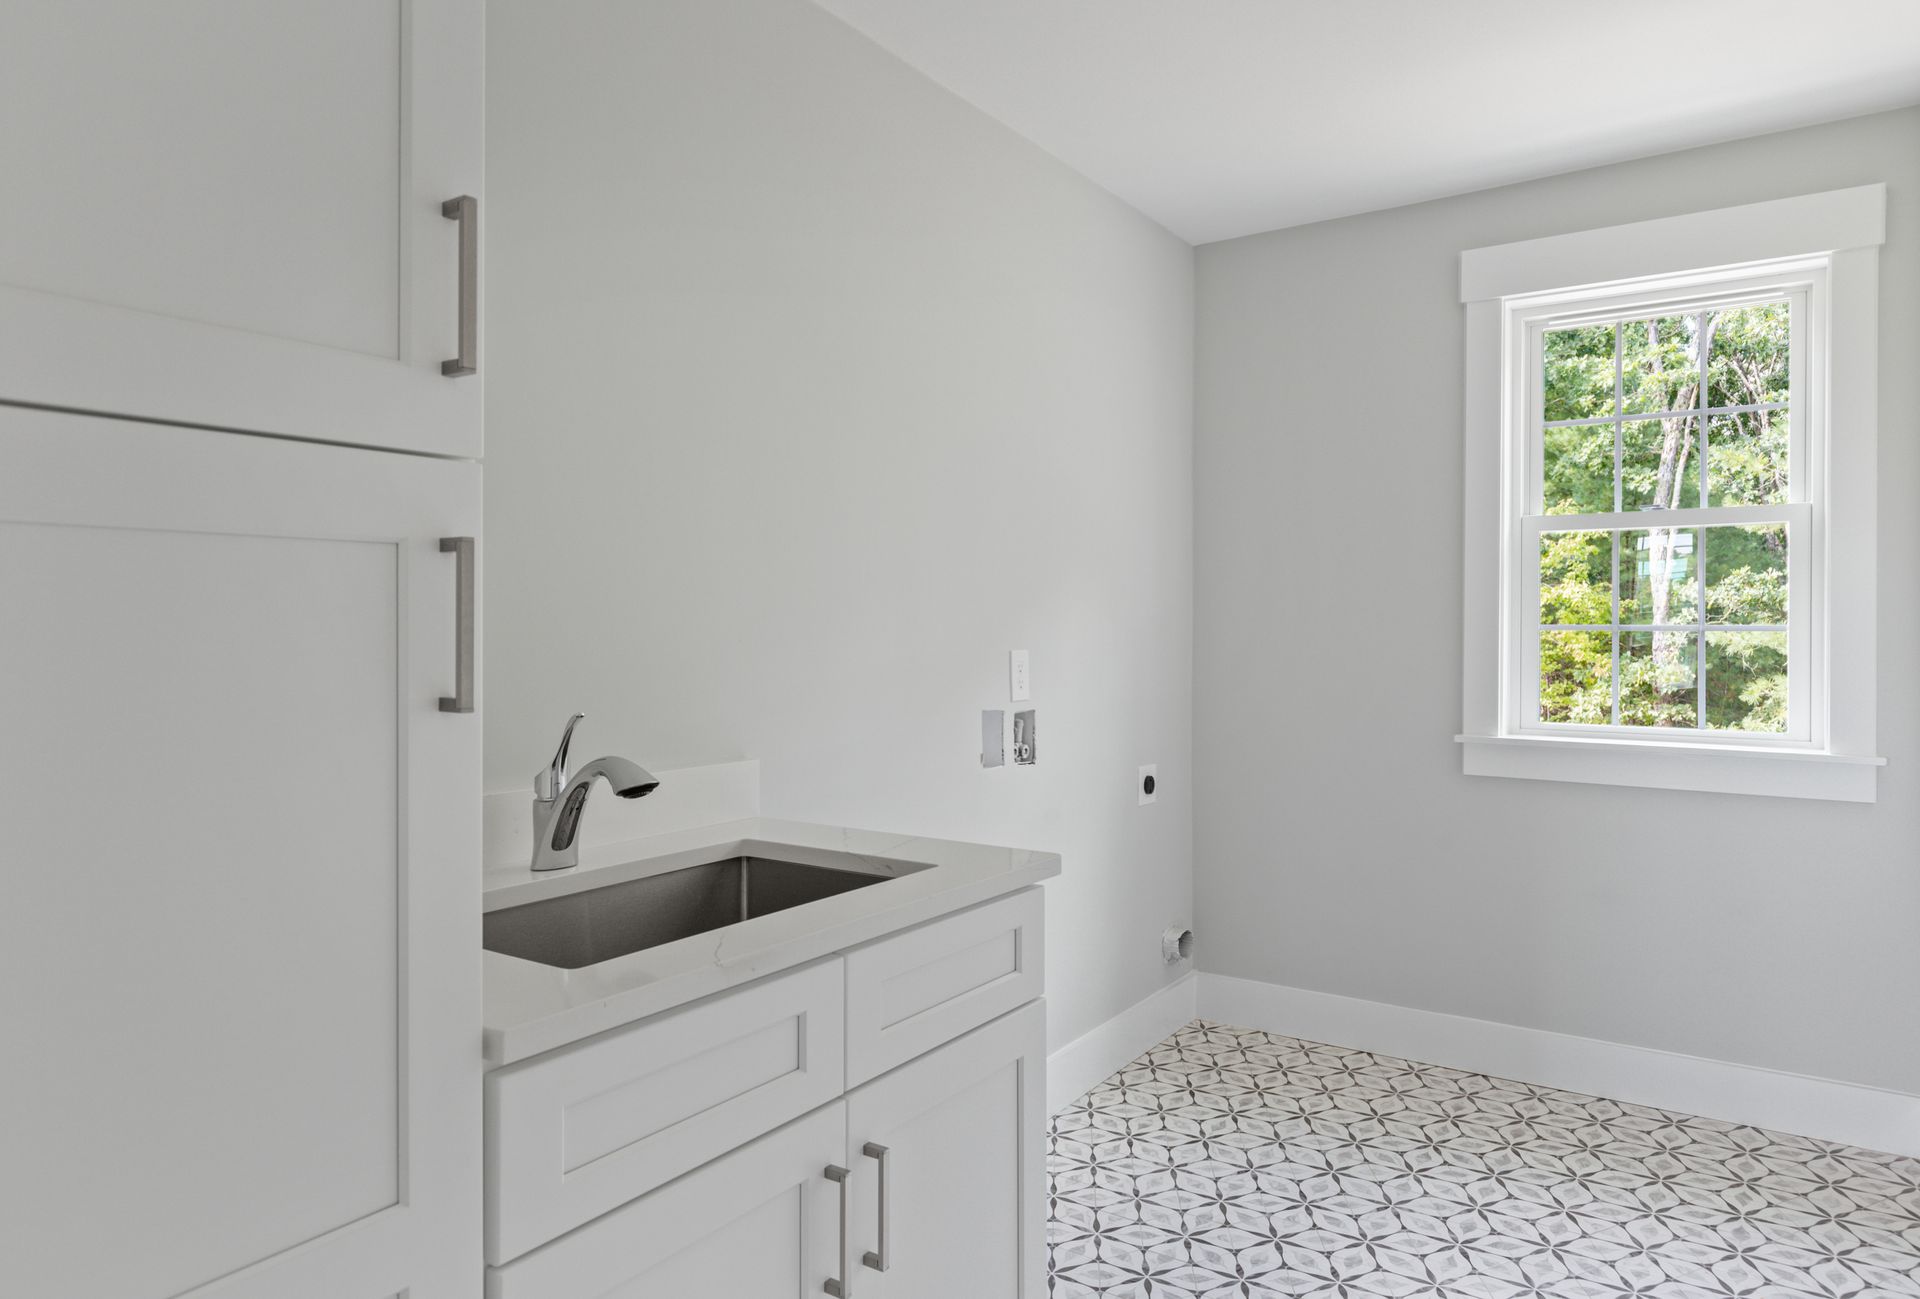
[{"x": 1711, "y": 768}]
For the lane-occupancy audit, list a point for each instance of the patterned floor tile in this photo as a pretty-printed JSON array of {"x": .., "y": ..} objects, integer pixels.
[{"x": 1228, "y": 1163}]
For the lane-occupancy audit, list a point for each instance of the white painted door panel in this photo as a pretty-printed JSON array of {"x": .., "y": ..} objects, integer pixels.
[
  {"x": 227, "y": 212},
  {"x": 239, "y": 957},
  {"x": 760, "y": 1223},
  {"x": 964, "y": 1129}
]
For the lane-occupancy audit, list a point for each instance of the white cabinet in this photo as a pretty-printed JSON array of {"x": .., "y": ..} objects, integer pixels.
[
  {"x": 943, "y": 1156},
  {"x": 961, "y": 1133},
  {"x": 952, "y": 1144},
  {"x": 760, "y": 1223},
  {"x": 228, "y": 213},
  {"x": 239, "y": 948}
]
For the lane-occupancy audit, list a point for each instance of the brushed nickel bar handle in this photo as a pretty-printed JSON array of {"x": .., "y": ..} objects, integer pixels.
[
  {"x": 466, "y": 210},
  {"x": 878, "y": 1262},
  {"x": 841, "y": 1287},
  {"x": 463, "y": 587}
]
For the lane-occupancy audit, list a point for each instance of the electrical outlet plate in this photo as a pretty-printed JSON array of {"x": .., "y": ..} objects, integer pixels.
[
  {"x": 1149, "y": 783},
  {"x": 1019, "y": 675}
]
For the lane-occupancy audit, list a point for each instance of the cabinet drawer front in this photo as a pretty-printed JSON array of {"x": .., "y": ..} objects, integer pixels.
[
  {"x": 909, "y": 993},
  {"x": 761, "y": 1221},
  {"x": 587, "y": 1128}
]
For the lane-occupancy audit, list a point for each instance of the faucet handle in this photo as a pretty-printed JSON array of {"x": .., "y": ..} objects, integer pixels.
[{"x": 548, "y": 784}]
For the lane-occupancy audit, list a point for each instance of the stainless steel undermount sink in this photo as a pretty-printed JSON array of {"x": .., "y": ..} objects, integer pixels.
[{"x": 595, "y": 925}]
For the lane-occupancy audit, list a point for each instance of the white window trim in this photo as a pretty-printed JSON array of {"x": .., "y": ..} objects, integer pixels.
[{"x": 1833, "y": 237}]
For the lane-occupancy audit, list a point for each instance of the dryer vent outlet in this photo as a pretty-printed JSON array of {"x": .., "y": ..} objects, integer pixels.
[{"x": 1176, "y": 945}]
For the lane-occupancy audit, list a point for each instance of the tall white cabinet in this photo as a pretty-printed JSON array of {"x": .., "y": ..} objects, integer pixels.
[
  {"x": 239, "y": 950},
  {"x": 235, "y": 214}
]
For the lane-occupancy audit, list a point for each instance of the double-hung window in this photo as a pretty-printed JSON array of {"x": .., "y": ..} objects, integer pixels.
[
  {"x": 1661, "y": 575},
  {"x": 1670, "y": 501}
]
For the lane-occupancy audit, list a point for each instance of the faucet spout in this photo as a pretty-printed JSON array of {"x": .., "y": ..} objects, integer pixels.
[{"x": 558, "y": 802}]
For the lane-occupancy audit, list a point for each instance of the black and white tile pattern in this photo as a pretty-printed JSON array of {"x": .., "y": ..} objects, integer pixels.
[{"x": 1228, "y": 1163}]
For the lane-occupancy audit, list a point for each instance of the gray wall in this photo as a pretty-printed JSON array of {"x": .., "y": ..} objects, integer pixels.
[
  {"x": 811, "y": 392},
  {"x": 1339, "y": 848}
]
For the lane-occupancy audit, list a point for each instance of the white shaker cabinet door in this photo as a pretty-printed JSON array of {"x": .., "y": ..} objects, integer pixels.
[
  {"x": 239, "y": 945},
  {"x": 764, "y": 1222},
  {"x": 228, "y": 213},
  {"x": 949, "y": 1150}
]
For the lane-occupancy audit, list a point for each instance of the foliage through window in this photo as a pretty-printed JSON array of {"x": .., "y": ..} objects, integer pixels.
[{"x": 1668, "y": 509}]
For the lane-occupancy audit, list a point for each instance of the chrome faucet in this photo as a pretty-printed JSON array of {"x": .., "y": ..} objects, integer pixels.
[{"x": 559, "y": 801}]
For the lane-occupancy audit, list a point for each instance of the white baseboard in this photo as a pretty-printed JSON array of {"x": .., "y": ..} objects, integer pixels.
[
  {"x": 1081, "y": 1064},
  {"x": 1738, "y": 1093}
]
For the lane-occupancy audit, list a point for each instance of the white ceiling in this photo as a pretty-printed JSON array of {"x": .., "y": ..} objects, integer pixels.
[{"x": 1225, "y": 117}]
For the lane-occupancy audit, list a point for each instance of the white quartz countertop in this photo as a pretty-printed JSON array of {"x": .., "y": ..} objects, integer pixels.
[{"x": 531, "y": 1008}]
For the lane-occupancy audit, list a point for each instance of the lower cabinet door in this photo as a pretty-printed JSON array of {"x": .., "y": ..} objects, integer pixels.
[
  {"x": 764, "y": 1222},
  {"x": 948, "y": 1154},
  {"x": 240, "y": 946}
]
